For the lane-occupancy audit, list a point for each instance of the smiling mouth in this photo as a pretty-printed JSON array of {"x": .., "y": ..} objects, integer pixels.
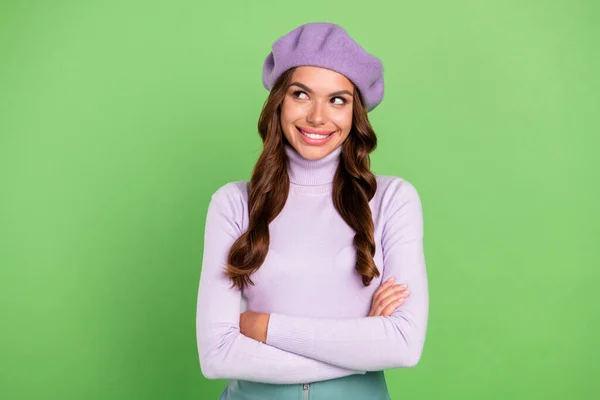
[{"x": 314, "y": 135}]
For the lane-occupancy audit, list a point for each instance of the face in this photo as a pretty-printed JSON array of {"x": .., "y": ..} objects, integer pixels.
[{"x": 316, "y": 114}]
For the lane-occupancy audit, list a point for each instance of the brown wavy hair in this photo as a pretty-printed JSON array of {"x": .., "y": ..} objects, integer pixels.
[{"x": 354, "y": 186}]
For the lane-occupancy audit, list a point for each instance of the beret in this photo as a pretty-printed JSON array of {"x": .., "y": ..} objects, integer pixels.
[{"x": 326, "y": 45}]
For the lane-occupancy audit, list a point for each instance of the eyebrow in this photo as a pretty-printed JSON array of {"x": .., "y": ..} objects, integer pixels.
[{"x": 309, "y": 90}]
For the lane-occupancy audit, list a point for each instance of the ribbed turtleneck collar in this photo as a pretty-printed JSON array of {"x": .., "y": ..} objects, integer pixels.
[{"x": 317, "y": 174}]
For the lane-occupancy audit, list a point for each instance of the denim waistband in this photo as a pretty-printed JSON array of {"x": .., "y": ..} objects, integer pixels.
[{"x": 369, "y": 386}]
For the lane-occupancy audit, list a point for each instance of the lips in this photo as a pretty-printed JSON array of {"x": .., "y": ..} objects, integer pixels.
[
  {"x": 310, "y": 139},
  {"x": 315, "y": 131}
]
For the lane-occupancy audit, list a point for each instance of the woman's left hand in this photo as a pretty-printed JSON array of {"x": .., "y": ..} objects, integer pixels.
[{"x": 254, "y": 325}]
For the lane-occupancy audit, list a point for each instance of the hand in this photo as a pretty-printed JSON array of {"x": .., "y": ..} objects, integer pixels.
[
  {"x": 387, "y": 298},
  {"x": 254, "y": 325}
]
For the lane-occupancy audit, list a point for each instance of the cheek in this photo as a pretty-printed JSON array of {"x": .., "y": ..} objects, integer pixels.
[
  {"x": 344, "y": 121},
  {"x": 287, "y": 119},
  {"x": 291, "y": 111}
]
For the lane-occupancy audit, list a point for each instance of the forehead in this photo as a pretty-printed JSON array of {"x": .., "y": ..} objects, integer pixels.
[{"x": 321, "y": 79}]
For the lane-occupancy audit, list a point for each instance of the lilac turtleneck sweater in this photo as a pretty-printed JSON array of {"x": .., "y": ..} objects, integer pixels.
[{"x": 318, "y": 327}]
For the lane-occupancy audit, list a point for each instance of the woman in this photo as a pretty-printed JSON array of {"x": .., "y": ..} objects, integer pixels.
[{"x": 314, "y": 241}]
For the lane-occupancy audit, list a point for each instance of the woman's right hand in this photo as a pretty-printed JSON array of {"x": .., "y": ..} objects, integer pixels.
[{"x": 387, "y": 298}]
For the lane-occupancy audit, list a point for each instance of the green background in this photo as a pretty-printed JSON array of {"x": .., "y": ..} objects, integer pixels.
[{"x": 119, "y": 119}]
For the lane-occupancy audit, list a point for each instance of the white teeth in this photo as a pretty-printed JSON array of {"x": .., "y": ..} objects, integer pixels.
[{"x": 314, "y": 135}]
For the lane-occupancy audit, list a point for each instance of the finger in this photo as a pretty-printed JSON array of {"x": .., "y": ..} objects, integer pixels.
[
  {"x": 387, "y": 287},
  {"x": 384, "y": 286},
  {"x": 389, "y": 310},
  {"x": 391, "y": 307},
  {"x": 390, "y": 291},
  {"x": 391, "y": 299}
]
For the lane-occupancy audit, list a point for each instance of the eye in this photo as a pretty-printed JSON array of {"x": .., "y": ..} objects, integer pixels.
[
  {"x": 297, "y": 94},
  {"x": 343, "y": 100}
]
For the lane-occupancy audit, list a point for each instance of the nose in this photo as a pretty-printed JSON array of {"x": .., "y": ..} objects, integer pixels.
[{"x": 316, "y": 114}]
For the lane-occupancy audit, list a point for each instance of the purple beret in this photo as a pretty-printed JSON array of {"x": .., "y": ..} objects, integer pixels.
[{"x": 326, "y": 45}]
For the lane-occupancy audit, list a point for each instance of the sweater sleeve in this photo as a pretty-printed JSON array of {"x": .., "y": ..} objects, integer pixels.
[
  {"x": 224, "y": 352},
  {"x": 373, "y": 343}
]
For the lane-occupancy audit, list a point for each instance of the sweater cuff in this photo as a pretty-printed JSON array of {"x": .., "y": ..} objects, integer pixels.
[{"x": 290, "y": 334}]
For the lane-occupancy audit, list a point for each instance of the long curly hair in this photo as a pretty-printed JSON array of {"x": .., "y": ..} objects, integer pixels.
[{"x": 354, "y": 186}]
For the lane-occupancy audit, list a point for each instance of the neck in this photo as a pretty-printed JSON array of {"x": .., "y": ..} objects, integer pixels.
[{"x": 311, "y": 175}]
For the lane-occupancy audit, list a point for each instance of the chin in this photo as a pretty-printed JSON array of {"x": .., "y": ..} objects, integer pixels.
[{"x": 314, "y": 152}]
